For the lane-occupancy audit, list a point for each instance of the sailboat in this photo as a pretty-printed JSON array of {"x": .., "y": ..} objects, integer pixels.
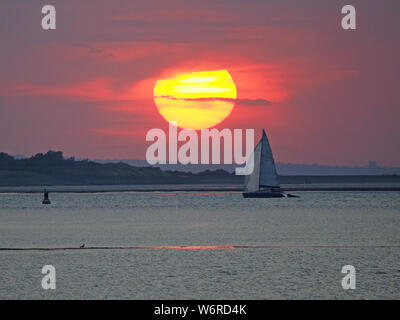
[{"x": 263, "y": 181}]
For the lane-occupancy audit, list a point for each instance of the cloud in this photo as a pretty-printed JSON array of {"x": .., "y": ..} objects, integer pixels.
[
  {"x": 243, "y": 102},
  {"x": 101, "y": 89},
  {"x": 253, "y": 102}
]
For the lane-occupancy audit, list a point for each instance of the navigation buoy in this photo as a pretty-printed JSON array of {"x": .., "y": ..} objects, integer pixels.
[{"x": 46, "y": 199}]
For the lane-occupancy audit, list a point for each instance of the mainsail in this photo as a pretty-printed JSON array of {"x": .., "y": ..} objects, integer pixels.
[{"x": 264, "y": 174}]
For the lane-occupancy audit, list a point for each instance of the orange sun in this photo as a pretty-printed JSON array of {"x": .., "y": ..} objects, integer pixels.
[{"x": 197, "y": 100}]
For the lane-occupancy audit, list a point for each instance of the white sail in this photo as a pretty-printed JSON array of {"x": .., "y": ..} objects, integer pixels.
[
  {"x": 268, "y": 175},
  {"x": 264, "y": 173}
]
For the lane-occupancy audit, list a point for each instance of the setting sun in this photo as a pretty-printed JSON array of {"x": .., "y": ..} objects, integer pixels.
[{"x": 196, "y": 100}]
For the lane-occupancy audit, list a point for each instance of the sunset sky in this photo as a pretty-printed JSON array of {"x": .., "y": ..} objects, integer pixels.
[{"x": 323, "y": 94}]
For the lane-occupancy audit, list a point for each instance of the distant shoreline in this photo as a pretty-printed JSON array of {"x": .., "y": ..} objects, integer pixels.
[{"x": 52, "y": 169}]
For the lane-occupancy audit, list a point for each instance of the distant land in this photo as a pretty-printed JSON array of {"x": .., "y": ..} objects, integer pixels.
[
  {"x": 285, "y": 169},
  {"x": 53, "y": 169}
]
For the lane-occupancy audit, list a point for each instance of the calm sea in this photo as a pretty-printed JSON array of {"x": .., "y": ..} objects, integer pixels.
[{"x": 299, "y": 245}]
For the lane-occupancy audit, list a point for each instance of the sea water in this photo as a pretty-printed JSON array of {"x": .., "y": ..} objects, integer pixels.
[{"x": 294, "y": 248}]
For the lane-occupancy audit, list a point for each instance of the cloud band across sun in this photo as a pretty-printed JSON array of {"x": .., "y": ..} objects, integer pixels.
[{"x": 243, "y": 102}]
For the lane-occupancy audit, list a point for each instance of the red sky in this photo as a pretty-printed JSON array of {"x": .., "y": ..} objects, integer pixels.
[{"x": 323, "y": 94}]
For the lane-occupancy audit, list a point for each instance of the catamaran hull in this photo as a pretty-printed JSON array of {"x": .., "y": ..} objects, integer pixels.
[{"x": 263, "y": 195}]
